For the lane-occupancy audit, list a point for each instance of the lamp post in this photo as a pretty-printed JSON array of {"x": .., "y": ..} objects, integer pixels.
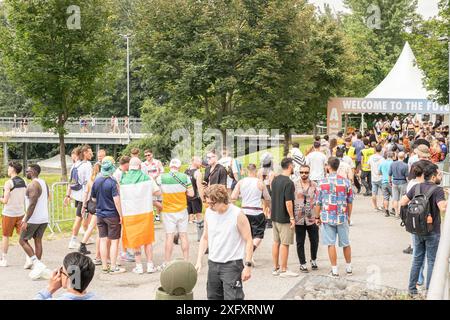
[{"x": 127, "y": 37}]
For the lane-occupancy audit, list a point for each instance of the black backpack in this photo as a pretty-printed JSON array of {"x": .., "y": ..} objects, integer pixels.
[
  {"x": 414, "y": 215},
  {"x": 18, "y": 182}
]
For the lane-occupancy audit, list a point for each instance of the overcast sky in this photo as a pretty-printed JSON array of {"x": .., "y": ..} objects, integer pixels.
[{"x": 427, "y": 8}]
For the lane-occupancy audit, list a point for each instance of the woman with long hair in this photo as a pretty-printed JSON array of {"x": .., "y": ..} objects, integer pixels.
[
  {"x": 333, "y": 147},
  {"x": 89, "y": 208}
]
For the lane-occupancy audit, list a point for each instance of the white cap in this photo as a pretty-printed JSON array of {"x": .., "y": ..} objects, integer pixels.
[{"x": 175, "y": 163}]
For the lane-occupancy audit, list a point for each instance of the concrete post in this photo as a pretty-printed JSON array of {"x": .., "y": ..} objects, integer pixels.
[
  {"x": 25, "y": 156},
  {"x": 5, "y": 156}
]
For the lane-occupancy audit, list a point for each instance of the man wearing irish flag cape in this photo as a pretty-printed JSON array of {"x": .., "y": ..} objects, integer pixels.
[{"x": 136, "y": 195}]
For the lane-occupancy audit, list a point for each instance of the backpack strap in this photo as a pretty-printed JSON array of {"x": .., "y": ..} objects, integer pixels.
[
  {"x": 178, "y": 179},
  {"x": 417, "y": 190},
  {"x": 430, "y": 192}
]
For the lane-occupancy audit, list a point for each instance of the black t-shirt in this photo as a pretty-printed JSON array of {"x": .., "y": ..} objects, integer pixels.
[
  {"x": 283, "y": 190},
  {"x": 437, "y": 196},
  {"x": 217, "y": 176}
]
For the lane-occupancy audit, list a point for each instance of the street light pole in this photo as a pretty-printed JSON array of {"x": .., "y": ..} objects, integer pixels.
[
  {"x": 127, "y": 37},
  {"x": 128, "y": 76}
]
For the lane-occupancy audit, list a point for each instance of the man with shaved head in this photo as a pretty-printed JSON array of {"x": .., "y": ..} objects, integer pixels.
[{"x": 398, "y": 177}]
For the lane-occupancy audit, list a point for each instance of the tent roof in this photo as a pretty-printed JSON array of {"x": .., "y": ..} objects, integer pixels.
[
  {"x": 404, "y": 81},
  {"x": 55, "y": 162}
]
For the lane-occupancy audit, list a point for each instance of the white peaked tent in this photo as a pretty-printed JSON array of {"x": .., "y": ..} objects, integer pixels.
[
  {"x": 402, "y": 92},
  {"x": 404, "y": 81},
  {"x": 54, "y": 164}
]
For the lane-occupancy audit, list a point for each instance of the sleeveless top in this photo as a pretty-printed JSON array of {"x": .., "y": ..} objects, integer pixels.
[
  {"x": 40, "y": 213},
  {"x": 251, "y": 196},
  {"x": 224, "y": 240}
]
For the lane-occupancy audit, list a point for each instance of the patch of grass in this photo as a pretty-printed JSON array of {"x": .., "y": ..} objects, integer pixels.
[{"x": 277, "y": 152}]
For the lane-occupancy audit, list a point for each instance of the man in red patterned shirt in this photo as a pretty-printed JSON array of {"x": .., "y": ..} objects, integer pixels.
[{"x": 334, "y": 200}]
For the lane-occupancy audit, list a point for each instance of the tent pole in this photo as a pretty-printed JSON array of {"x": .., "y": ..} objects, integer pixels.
[{"x": 362, "y": 123}]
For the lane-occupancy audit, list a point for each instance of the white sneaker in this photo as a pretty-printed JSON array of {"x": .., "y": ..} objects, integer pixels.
[
  {"x": 151, "y": 268},
  {"x": 28, "y": 264},
  {"x": 276, "y": 272},
  {"x": 46, "y": 274},
  {"x": 288, "y": 274},
  {"x": 161, "y": 267},
  {"x": 138, "y": 269},
  {"x": 73, "y": 244},
  {"x": 37, "y": 271},
  {"x": 3, "y": 263}
]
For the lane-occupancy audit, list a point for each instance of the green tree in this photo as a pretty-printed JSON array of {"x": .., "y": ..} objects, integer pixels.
[
  {"x": 376, "y": 40},
  {"x": 56, "y": 62},
  {"x": 432, "y": 52}
]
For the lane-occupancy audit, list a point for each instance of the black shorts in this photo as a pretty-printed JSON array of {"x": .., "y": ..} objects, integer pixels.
[
  {"x": 195, "y": 206},
  {"x": 79, "y": 206},
  {"x": 34, "y": 231},
  {"x": 109, "y": 227},
  {"x": 257, "y": 225}
]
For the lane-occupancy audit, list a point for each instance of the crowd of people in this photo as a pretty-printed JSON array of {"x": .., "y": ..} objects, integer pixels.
[
  {"x": 311, "y": 194},
  {"x": 89, "y": 124}
]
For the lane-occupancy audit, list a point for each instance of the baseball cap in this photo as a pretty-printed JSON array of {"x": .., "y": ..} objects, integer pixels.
[{"x": 175, "y": 163}]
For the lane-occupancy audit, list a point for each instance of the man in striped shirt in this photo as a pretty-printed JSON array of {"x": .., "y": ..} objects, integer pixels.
[{"x": 175, "y": 186}]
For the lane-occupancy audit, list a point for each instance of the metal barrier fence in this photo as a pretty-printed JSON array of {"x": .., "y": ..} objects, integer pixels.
[{"x": 58, "y": 212}]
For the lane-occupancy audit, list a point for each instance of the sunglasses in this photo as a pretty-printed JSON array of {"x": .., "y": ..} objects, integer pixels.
[{"x": 304, "y": 172}]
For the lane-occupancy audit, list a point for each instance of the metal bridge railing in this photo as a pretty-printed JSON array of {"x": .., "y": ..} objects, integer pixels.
[{"x": 17, "y": 126}]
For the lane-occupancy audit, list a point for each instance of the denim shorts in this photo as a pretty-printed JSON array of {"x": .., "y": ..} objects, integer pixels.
[
  {"x": 398, "y": 191},
  {"x": 329, "y": 233},
  {"x": 387, "y": 191},
  {"x": 376, "y": 185}
]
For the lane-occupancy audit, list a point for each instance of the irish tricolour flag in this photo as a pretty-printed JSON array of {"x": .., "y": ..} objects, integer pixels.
[{"x": 137, "y": 208}]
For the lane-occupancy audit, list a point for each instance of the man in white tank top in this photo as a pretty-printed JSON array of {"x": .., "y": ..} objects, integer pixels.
[
  {"x": 252, "y": 190},
  {"x": 35, "y": 222},
  {"x": 228, "y": 238}
]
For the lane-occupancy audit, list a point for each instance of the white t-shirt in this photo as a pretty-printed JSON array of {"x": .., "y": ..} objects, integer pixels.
[
  {"x": 374, "y": 162},
  {"x": 227, "y": 162},
  {"x": 348, "y": 160},
  {"x": 84, "y": 174},
  {"x": 316, "y": 160},
  {"x": 344, "y": 170}
]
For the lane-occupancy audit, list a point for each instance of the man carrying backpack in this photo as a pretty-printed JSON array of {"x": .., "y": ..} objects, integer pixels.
[
  {"x": 422, "y": 219},
  {"x": 79, "y": 176}
]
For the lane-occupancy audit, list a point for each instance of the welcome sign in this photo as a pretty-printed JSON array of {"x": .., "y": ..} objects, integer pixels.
[{"x": 339, "y": 106}]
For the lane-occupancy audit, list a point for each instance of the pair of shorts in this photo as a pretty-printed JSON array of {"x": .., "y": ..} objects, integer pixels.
[
  {"x": 79, "y": 206},
  {"x": 257, "y": 225},
  {"x": 11, "y": 223},
  {"x": 195, "y": 206},
  {"x": 34, "y": 231},
  {"x": 330, "y": 232},
  {"x": 282, "y": 233},
  {"x": 376, "y": 185},
  {"x": 175, "y": 222},
  {"x": 387, "y": 191},
  {"x": 109, "y": 227},
  {"x": 398, "y": 191}
]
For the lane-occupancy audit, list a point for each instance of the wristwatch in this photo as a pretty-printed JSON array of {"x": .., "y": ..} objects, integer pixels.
[{"x": 248, "y": 264}]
